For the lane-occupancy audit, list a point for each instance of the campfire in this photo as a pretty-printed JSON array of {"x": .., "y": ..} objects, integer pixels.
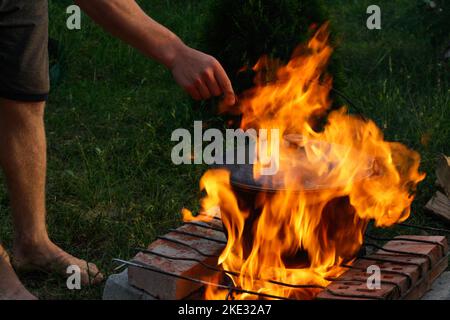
[
  {"x": 302, "y": 224},
  {"x": 301, "y": 231}
]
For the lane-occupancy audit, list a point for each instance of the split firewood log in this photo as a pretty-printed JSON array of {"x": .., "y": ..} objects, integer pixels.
[
  {"x": 443, "y": 174},
  {"x": 439, "y": 204}
]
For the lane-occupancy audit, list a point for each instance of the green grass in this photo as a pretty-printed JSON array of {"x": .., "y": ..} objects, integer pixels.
[{"x": 111, "y": 183}]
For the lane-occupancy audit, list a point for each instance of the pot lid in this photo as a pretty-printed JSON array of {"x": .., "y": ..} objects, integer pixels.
[{"x": 301, "y": 169}]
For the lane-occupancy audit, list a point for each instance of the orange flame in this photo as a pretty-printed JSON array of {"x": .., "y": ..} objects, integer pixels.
[{"x": 304, "y": 234}]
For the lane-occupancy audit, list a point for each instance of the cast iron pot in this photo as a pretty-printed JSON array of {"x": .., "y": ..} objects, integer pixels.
[{"x": 337, "y": 220}]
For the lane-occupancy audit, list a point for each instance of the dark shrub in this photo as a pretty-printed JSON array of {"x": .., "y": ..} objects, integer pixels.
[
  {"x": 241, "y": 31},
  {"x": 436, "y": 21}
]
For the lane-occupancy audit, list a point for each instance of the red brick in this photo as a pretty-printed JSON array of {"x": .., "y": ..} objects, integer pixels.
[
  {"x": 435, "y": 252},
  {"x": 422, "y": 287},
  {"x": 168, "y": 287}
]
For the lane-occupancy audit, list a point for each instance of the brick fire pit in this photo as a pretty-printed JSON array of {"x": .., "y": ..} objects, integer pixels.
[{"x": 178, "y": 264}]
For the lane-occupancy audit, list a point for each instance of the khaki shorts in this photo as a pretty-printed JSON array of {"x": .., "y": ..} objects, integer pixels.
[{"x": 24, "y": 74}]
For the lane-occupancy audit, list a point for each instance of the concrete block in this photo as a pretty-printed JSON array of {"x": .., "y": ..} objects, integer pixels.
[
  {"x": 118, "y": 288},
  {"x": 440, "y": 290}
]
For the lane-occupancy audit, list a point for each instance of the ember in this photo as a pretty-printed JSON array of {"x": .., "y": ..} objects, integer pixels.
[{"x": 303, "y": 224}]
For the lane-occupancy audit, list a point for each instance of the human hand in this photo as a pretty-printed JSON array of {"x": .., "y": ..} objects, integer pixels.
[{"x": 201, "y": 75}]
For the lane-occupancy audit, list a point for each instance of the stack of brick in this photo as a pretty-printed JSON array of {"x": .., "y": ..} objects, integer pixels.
[{"x": 403, "y": 276}]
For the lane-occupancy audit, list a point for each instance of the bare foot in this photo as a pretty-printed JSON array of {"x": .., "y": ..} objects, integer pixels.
[
  {"x": 48, "y": 257},
  {"x": 10, "y": 286}
]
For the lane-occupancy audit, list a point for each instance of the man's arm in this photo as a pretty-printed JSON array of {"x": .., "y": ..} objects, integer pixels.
[{"x": 199, "y": 74}]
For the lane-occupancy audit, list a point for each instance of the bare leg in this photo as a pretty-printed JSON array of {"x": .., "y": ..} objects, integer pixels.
[
  {"x": 10, "y": 286},
  {"x": 23, "y": 159}
]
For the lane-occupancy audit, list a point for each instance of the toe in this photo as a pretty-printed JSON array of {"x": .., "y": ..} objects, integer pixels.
[
  {"x": 90, "y": 274},
  {"x": 94, "y": 274}
]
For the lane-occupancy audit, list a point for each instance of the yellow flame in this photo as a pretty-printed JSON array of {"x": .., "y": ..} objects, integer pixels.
[{"x": 303, "y": 235}]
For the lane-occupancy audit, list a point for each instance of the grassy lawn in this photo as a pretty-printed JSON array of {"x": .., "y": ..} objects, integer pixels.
[{"x": 111, "y": 183}]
